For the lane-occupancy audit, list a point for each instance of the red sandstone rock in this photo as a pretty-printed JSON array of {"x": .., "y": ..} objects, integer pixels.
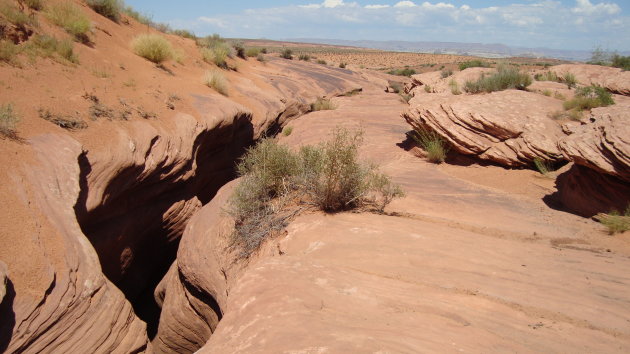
[{"x": 613, "y": 79}]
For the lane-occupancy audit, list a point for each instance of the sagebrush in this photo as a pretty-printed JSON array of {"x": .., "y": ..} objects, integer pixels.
[{"x": 506, "y": 77}]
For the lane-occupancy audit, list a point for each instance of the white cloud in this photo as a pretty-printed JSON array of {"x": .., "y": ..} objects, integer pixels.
[
  {"x": 405, "y": 4},
  {"x": 587, "y": 8},
  {"x": 376, "y": 6},
  {"x": 332, "y": 3}
]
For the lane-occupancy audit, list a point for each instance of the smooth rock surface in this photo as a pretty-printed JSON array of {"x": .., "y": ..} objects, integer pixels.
[{"x": 613, "y": 79}]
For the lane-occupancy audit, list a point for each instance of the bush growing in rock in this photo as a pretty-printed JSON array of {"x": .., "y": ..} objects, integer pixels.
[
  {"x": 323, "y": 104},
  {"x": 431, "y": 142},
  {"x": 588, "y": 98},
  {"x": 506, "y": 77},
  {"x": 276, "y": 184}
]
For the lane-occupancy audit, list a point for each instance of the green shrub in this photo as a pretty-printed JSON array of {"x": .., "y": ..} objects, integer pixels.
[
  {"x": 287, "y": 131},
  {"x": 216, "y": 54},
  {"x": 15, "y": 16},
  {"x": 8, "y": 121},
  {"x": 588, "y": 98},
  {"x": 217, "y": 81},
  {"x": 446, "y": 73},
  {"x": 454, "y": 87},
  {"x": 473, "y": 64},
  {"x": 506, "y": 77},
  {"x": 546, "y": 92},
  {"x": 574, "y": 115},
  {"x": 304, "y": 57},
  {"x": 322, "y": 62},
  {"x": 9, "y": 52},
  {"x": 323, "y": 104},
  {"x": 570, "y": 80},
  {"x": 71, "y": 18},
  {"x": 431, "y": 142},
  {"x": 108, "y": 8},
  {"x": 543, "y": 166},
  {"x": 547, "y": 76},
  {"x": 619, "y": 61},
  {"x": 402, "y": 72},
  {"x": 50, "y": 47},
  {"x": 152, "y": 47},
  {"x": 252, "y": 52},
  {"x": 615, "y": 221},
  {"x": 240, "y": 49},
  {"x": 427, "y": 89},
  {"x": 287, "y": 54},
  {"x": 184, "y": 34}
]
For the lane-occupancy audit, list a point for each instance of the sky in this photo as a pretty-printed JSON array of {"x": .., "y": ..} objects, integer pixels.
[{"x": 556, "y": 24}]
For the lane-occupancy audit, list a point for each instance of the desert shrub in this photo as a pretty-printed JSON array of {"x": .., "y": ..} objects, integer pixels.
[
  {"x": 69, "y": 123},
  {"x": 543, "y": 166},
  {"x": 33, "y": 4},
  {"x": 546, "y": 92},
  {"x": 619, "y": 61},
  {"x": 143, "y": 19},
  {"x": 402, "y": 72},
  {"x": 260, "y": 58},
  {"x": 252, "y": 52},
  {"x": 217, "y": 81},
  {"x": 473, "y": 64},
  {"x": 9, "y": 52},
  {"x": 216, "y": 54},
  {"x": 547, "y": 76},
  {"x": 240, "y": 49},
  {"x": 574, "y": 114},
  {"x": 287, "y": 131},
  {"x": 276, "y": 184},
  {"x": 405, "y": 97},
  {"x": 323, "y": 104},
  {"x": 304, "y": 57},
  {"x": 8, "y": 121},
  {"x": 51, "y": 47},
  {"x": 286, "y": 54},
  {"x": 615, "y": 221},
  {"x": 13, "y": 15},
  {"x": 108, "y": 8},
  {"x": 454, "y": 86},
  {"x": 342, "y": 65},
  {"x": 588, "y": 98},
  {"x": 446, "y": 73},
  {"x": 263, "y": 50},
  {"x": 184, "y": 34},
  {"x": 71, "y": 18},
  {"x": 396, "y": 87},
  {"x": 427, "y": 89},
  {"x": 570, "y": 80},
  {"x": 559, "y": 96},
  {"x": 152, "y": 47},
  {"x": 431, "y": 142},
  {"x": 322, "y": 62},
  {"x": 506, "y": 77}
]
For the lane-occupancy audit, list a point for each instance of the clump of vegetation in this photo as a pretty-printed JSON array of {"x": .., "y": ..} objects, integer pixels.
[
  {"x": 546, "y": 92},
  {"x": 323, "y": 104},
  {"x": 239, "y": 47},
  {"x": 252, "y": 52},
  {"x": 71, "y": 18},
  {"x": 287, "y": 54},
  {"x": 9, "y": 52},
  {"x": 16, "y": 17},
  {"x": 402, "y": 72},
  {"x": 446, "y": 73},
  {"x": 559, "y": 96},
  {"x": 352, "y": 92},
  {"x": 216, "y": 54},
  {"x": 8, "y": 121},
  {"x": 69, "y": 123},
  {"x": 51, "y": 47},
  {"x": 573, "y": 114},
  {"x": 322, "y": 62},
  {"x": 506, "y": 77},
  {"x": 473, "y": 64},
  {"x": 405, "y": 97},
  {"x": 619, "y": 61},
  {"x": 287, "y": 131},
  {"x": 543, "y": 166},
  {"x": 304, "y": 57},
  {"x": 570, "y": 80},
  {"x": 454, "y": 87},
  {"x": 427, "y": 89},
  {"x": 33, "y": 4},
  {"x": 431, "y": 142},
  {"x": 342, "y": 65},
  {"x": 152, "y": 47},
  {"x": 547, "y": 76},
  {"x": 589, "y": 97},
  {"x": 184, "y": 34},
  {"x": 217, "y": 81},
  {"x": 277, "y": 184},
  {"x": 143, "y": 19},
  {"x": 615, "y": 221},
  {"x": 108, "y": 8},
  {"x": 261, "y": 58}
]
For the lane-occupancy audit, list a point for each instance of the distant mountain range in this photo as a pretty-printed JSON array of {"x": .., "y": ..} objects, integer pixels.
[{"x": 474, "y": 49}]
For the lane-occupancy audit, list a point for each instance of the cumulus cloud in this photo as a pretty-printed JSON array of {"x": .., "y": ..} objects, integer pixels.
[{"x": 524, "y": 23}]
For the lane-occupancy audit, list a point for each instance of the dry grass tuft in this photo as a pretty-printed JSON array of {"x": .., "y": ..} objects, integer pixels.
[
  {"x": 323, "y": 104},
  {"x": 431, "y": 142},
  {"x": 152, "y": 47},
  {"x": 71, "y": 18},
  {"x": 8, "y": 121},
  {"x": 217, "y": 81}
]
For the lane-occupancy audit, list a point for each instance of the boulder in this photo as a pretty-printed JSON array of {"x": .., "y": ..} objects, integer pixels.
[{"x": 510, "y": 128}]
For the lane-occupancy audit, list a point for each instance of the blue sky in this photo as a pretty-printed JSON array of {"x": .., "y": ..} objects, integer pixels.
[{"x": 566, "y": 24}]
